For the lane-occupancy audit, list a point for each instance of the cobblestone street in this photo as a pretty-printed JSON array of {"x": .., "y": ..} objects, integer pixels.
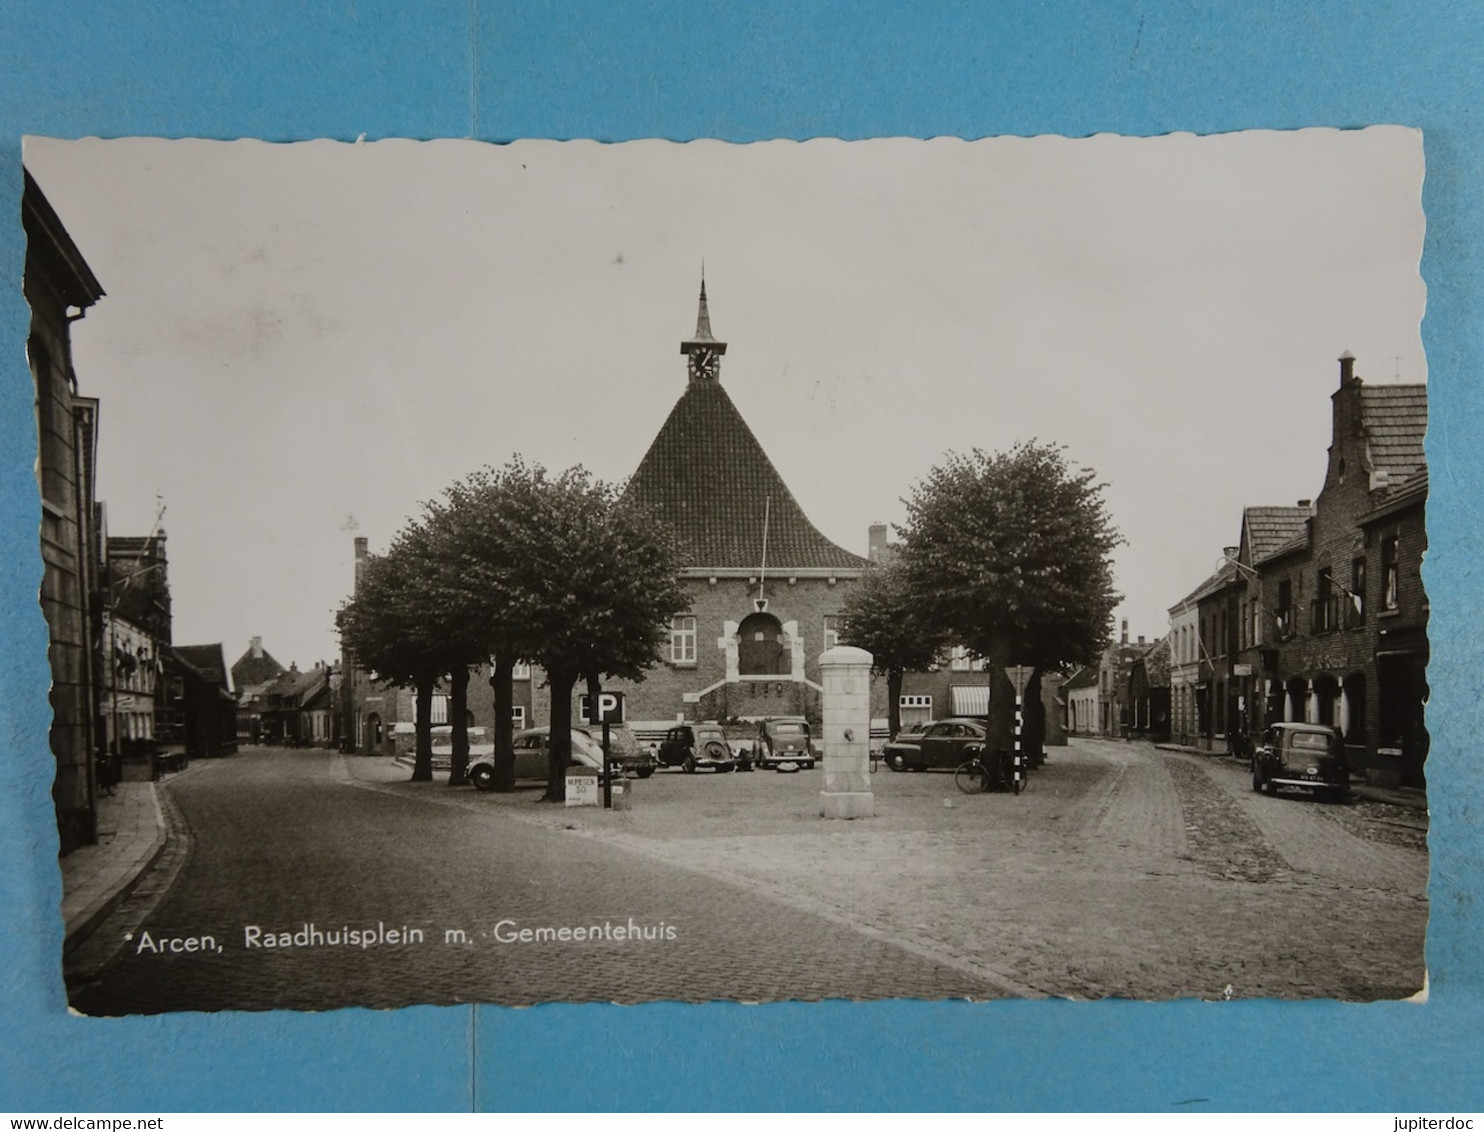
[{"x": 1122, "y": 871}]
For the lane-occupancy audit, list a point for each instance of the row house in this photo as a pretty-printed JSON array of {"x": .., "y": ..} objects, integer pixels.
[
  {"x": 196, "y": 714},
  {"x": 1149, "y": 693},
  {"x": 1319, "y": 614},
  {"x": 1097, "y": 696},
  {"x": 60, "y": 288},
  {"x": 135, "y": 638}
]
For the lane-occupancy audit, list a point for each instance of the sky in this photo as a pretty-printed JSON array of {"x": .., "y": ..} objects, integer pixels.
[{"x": 302, "y": 342}]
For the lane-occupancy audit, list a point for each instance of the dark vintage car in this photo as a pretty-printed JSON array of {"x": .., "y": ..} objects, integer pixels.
[
  {"x": 1301, "y": 754},
  {"x": 700, "y": 746},
  {"x": 946, "y": 743},
  {"x": 784, "y": 742}
]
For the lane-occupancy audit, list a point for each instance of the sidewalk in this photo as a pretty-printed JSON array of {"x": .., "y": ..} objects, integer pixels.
[
  {"x": 96, "y": 878},
  {"x": 1409, "y": 796}
]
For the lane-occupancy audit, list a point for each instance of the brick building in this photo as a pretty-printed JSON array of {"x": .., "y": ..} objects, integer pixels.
[
  {"x": 1319, "y": 614},
  {"x": 60, "y": 287},
  {"x": 1350, "y": 614},
  {"x": 766, "y": 586}
]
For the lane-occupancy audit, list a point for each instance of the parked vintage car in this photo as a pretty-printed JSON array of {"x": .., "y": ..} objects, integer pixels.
[
  {"x": 946, "y": 743},
  {"x": 1302, "y": 754},
  {"x": 624, "y": 749},
  {"x": 531, "y": 747},
  {"x": 700, "y": 746},
  {"x": 784, "y": 741}
]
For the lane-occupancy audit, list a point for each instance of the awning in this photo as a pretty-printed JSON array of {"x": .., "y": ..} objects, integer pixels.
[{"x": 970, "y": 699}]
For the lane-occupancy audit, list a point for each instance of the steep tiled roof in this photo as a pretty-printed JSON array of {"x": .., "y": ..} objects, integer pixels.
[
  {"x": 251, "y": 669},
  {"x": 1268, "y": 528},
  {"x": 205, "y": 659},
  {"x": 1415, "y": 489},
  {"x": 1209, "y": 586},
  {"x": 709, "y": 478},
  {"x": 1157, "y": 662},
  {"x": 1084, "y": 677},
  {"x": 1395, "y": 419}
]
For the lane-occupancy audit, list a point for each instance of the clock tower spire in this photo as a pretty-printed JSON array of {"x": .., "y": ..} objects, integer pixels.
[{"x": 702, "y": 350}]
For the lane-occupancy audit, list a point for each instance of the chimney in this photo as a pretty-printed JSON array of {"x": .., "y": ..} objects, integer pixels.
[
  {"x": 1306, "y": 503},
  {"x": 257, "y": 648},
  {"x": 1141, "y": 638},
  {"x": 876, "y": 541},
  {"x": 361, "y": 555},
  {"x": 1347, "y": 369},
  {"x": 1230, "y": 552},
  {"x": 1124, "y": 626}
]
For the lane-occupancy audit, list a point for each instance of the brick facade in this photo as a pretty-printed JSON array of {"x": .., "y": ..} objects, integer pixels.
[{"x": 58, "y": 280}]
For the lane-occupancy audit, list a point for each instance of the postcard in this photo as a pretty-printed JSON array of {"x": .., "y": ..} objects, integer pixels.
[{"x": 578, "y": 572}]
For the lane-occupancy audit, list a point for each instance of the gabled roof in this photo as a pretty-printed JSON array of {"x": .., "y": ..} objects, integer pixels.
[
  {"x": 1156, "y": 661},
  {"x": 1412, "y": 493},
  {"x": 205, "y": 659},
  {"x": 1268, "y": 528},
  {"x": 707, "y": 476},
  {"x": 1208, "y": 587},
  {"x": 1084, "y": 677},
  {"x": 249, "y": 669},
  {"x": 1395, "y": 421}
]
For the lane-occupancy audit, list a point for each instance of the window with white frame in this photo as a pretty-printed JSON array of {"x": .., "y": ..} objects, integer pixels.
[
  {"x": 958, "y": 659},
  {"x": 518, "y": 717},
  {"x": 831, "y": 630},
  {"x": 520, "y": 670},
  {"x": 683, "y": 640}
]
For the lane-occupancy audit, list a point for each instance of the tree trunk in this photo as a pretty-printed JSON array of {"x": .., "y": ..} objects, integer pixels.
[
  {"x": 559, "y": 751},
  {"x": 422, "y": 764},
  {"x": 893, "y": 701},
  {"x": 458, "y": 710},
  {"x": 1001, "y": 725},
  {"x": 504, "y": 728},
  {"x": 594, "y": 689}
]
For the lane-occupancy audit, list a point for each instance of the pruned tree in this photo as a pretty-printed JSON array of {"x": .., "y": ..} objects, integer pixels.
[
  {"x": 385, "y": 627},
  {"x": 1010, "y": 554},
  {"x": 561, "y": 571},
  {"x": 883, "y": 616}
]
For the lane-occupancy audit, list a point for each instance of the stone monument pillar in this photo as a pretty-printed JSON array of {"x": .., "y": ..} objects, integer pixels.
[{"x": 845, "y": 737}]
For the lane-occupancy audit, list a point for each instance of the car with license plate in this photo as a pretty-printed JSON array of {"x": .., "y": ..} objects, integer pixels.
[
  {"x": 784, "y": 742},
  {"x": 945, "y": 743},
  {"x": 1308, "y": 755},
  {"x": 700, "y": 746},
  {"x": 532, "y": 747}
]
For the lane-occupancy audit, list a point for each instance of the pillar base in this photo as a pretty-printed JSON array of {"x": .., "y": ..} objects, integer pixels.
[{"x": 847, "y": 804}]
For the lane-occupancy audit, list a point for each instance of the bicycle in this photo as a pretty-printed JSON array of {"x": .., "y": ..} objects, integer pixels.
[{"x": 974, "y": 776}]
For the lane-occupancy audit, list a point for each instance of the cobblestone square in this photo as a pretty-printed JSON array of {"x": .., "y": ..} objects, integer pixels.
[{"x": 1123, "y": 871}]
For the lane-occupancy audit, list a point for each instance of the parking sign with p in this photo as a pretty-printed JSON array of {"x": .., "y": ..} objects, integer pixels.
[{"x": 607, "y": 709}]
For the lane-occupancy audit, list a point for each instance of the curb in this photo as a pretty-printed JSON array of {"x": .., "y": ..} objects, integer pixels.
[
  {"x": 1412, "y": 799},
  {"x": 87, "y": 920}
]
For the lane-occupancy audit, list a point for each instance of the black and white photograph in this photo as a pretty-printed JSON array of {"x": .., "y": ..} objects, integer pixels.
[{"x": 887, "y": 569}]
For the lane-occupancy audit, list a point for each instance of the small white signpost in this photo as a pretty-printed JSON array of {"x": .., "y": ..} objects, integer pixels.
[
  {"x": 1019, "y": 676},
  {"x": 582, "y": 786}
]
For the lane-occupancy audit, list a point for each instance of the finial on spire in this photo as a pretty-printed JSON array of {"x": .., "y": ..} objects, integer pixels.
[{"x": 703, "y": 350}]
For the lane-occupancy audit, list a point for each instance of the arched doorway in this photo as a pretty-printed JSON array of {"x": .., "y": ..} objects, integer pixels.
[
  {"x": 1297, "y": 707},
  {"x": 374, "y": 735},
  {"x": 762, "y": 647}
]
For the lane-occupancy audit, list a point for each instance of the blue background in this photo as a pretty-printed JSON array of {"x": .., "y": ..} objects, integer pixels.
[{"x": 614, "y": 71}]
